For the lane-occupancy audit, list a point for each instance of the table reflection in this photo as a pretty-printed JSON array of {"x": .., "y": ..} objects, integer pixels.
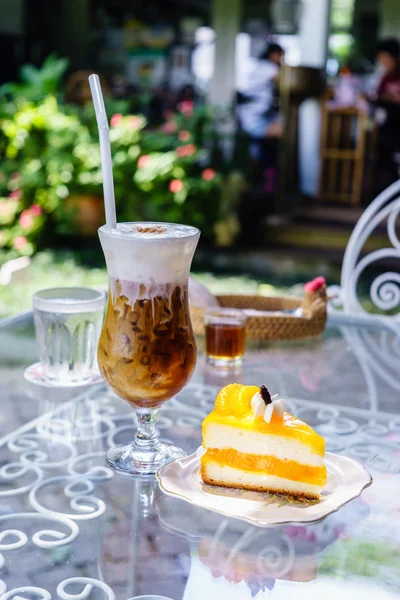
[
  {"x": 71, "y": 522},
  {"x": 233, "y": 559}
]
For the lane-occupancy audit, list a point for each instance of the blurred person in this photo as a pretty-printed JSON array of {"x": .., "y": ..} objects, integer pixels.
[
  {"x": 257, "y": 115},
  {"x": 387, "y": 112},
  {"x": 388, "y": 61}
]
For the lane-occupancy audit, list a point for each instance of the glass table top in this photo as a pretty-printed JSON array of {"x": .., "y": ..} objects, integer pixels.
[{"x": 71, "y": 528}]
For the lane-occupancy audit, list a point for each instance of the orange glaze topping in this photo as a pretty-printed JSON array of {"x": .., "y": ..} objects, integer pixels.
[
  {"x": 233, "y": 408},
  {"x": 269, "y": 465}
]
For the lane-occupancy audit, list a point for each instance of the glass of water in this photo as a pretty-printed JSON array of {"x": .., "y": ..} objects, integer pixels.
[{"x": 68, "y": 323}]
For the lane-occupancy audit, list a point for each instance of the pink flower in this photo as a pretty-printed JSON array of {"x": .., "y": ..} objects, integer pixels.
[
  {"x": 191, "y": 149},
  {"x": 176, "y": 186},
  {"x": 186, "y": 108},
  {"x": 26, "y": 220},
  {"x": 36, "y": 210},
  {"x": 208, "y": 174},
  {"x": 116, "y": 120},
  {"x": 170, "y": 127},
  {"x": 187, "y": 150},
  {"x": 15, "y": 195},
  {"x": 20, "y": 242},
  {"x": 134, "y": 122},
  {"x": 144, "y": 161},
  {"x": 181, "y": 151},
  {"x": 184, "y": 136}
]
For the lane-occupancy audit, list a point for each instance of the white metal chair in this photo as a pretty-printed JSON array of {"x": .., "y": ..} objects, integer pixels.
[
  {"x": 385, "y": 288},
  {"x": 378, "y": 351}
]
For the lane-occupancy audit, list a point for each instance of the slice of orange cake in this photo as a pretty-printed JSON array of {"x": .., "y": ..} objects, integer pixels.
[{"x": 252, "y": 443}]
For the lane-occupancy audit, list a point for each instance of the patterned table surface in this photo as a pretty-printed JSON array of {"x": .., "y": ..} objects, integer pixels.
[{"x": 72, "y": 529}]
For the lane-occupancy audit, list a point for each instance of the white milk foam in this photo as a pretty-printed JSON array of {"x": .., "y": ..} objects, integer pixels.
[
  {"x": 152, "y": 259},
  {"x": 141, "y": 230}
]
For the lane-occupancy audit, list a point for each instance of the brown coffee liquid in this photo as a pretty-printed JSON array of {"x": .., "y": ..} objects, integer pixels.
[
  {"x": 147, "y": 352},
  {"x": 225, "y": 341}
]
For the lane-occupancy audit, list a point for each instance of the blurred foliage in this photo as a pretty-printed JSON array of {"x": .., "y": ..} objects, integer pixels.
[
  {"x": 53, "y": 268},
  {"x": 359, "y": 557},
  {"x": 36, "y": 83},
  {"x": 48, "y": 269},
  {"x": 342, "y": 12},
  {"x": 341, "y": 41},
  {"x": 50, "y": 152},
  {"x": 342, "y": 48}
]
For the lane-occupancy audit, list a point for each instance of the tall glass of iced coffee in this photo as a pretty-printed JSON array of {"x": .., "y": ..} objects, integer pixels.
[{"x": 147, "y": 350}]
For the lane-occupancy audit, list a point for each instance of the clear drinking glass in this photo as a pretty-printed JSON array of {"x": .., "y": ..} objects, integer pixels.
[
  {"x": 147, "y": 350},
  {"x": 225, "y": 336},
  {"x": 68, "y": 324}
]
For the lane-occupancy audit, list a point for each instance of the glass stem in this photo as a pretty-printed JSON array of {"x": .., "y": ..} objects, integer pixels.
[{"x": 146, "y": 436}]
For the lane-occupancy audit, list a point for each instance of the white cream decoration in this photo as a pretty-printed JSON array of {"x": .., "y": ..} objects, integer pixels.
[
  {"x": 275, "y": 407},
  {"x": 266, "y": 411},
  {"x": 258, "y": 405}
]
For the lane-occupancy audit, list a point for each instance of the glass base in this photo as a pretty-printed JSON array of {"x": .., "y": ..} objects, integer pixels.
[
  {"x": 216, "y": 361},
  {"x": 131, "y": 460}
]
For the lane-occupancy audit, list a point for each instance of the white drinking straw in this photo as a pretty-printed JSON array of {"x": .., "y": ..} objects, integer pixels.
[{"x": 105, "y": 151}]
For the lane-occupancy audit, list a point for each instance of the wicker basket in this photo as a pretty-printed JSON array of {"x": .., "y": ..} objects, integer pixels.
[{"x": 274, "y": 327}]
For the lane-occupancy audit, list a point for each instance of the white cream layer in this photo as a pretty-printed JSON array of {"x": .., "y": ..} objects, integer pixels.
[
  {"x": 251, "y": 442},
  {"x": 150, "y": 259},
  {"x": 230, "y": 475}
]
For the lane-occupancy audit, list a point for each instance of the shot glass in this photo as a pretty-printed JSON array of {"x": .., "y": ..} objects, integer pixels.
[
  {"x": 68, "y": 323},
  {"x": 225, "y": 336}
]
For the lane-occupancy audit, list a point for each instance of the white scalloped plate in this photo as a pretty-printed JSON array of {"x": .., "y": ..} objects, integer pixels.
[{"x": 346, "y": 480}]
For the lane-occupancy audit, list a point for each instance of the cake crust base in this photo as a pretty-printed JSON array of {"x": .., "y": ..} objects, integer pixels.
[{"x": 296, "y": 495}]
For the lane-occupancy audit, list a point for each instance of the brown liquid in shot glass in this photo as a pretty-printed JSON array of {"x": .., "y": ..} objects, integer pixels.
[{"x": 225, "y": 341}]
